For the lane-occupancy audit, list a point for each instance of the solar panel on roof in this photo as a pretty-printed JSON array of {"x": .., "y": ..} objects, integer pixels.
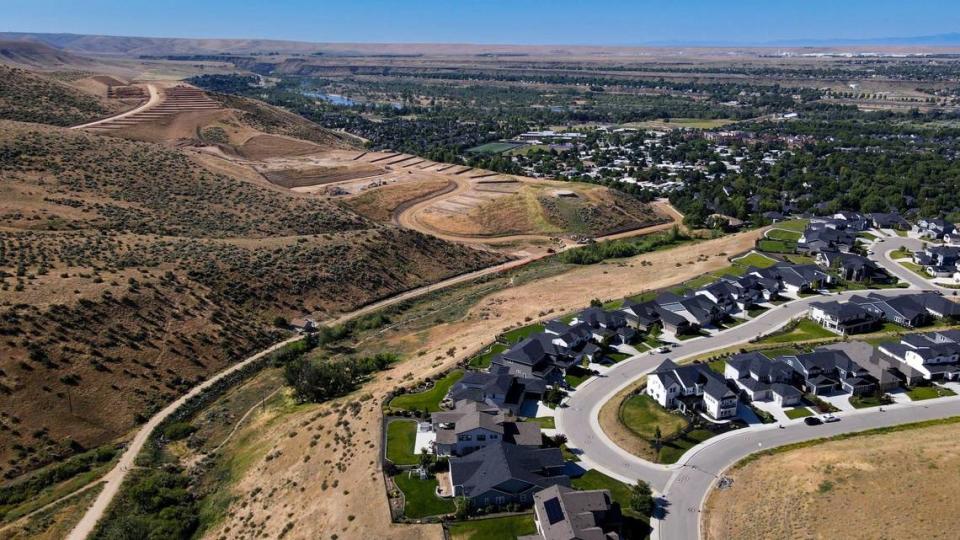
[{"x": 554, "y": 510}]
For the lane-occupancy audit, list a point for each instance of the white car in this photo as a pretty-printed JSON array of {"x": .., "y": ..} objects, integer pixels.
[{"x": 828, "y": 418}]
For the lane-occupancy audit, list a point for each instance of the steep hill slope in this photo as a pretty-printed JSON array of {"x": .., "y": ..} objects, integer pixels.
[
  {"x": 128, "y": 272},
  {"x": 30, "y": 97}
]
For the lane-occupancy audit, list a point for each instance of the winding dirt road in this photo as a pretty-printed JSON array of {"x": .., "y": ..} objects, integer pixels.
[{"x": 154, "y": 100}]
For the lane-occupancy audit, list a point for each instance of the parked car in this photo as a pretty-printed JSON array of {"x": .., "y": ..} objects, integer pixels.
[
  {"x": 665, "y": 349},
  {"x": 812, "y": 421},
  {"x": 830, "y": 418}
]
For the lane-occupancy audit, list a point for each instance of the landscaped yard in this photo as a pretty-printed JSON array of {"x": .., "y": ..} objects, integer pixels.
[
  {"x": 915, "y": 268},
  {"x": 421, "y": 497},
  {"x": 670, "y": 453},
  {"x": 401, "y": 439},
  {"x": 518, "y": 334},
  {"x": 862, "y": 402},
  {"x": 619, "y": 491},
  {"x": 617, "y": 356},
  {"x": 784, "y": 234},
  {"x": 546, "y": 422},
  {"x": 428, "y": 400},
  {"x": 641, "y": 415},
  {"x": 576, "y": 375},
  {"x": 755, "y": 259},
  {"x": 482, "y": 360},
  {"x": 918, "y": 393},
  {"x": 756, "y": 310},
  {"x": 793, "y": 225},
  {"x": 499, "y": 528},
  {"x": 798, "y": 412},
  {"x": 804, "y": 330},
  {"x": 777, "y": 246}
]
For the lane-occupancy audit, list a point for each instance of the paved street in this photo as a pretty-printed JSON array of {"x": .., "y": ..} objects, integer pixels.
[{"x": 684, "y": 486}]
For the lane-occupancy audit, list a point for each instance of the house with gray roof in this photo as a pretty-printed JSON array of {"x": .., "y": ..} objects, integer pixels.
[
  {"x": 825, "y": 371},
  {"x": 473, "y": 426},
  {"x": 935, "y": 228},
  {"x": 502, "y": 474},
  {"x": 692, "y": 387},
  {"x": 844, "y": 317},
  {"x": 758, "y": 376},
  {"x": 502, "y": 390},
  {"x": 888, "y": 372},
  {"x": 853, "y": 267},
  {"x": 902, "y": 310},
  {"x": 562, "y": 513},
  {"x": 536, "y": 357},
  {"x": 935, "y": 355}
]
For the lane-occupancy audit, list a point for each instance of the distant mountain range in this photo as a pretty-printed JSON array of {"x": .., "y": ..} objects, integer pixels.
[{"x": 136, "y": 46}]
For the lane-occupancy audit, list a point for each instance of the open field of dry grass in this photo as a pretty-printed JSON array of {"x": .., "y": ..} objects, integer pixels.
[{"x": 894, "y": 485}]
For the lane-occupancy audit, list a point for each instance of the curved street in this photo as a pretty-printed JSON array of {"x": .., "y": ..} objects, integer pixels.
[{"x": 683, "y": 486}]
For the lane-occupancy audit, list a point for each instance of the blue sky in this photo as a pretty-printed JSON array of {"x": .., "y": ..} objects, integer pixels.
[{"x": 612, "y": 22}]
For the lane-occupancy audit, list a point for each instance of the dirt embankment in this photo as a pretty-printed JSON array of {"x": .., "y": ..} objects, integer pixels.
[{"x": 896, "y": 485}]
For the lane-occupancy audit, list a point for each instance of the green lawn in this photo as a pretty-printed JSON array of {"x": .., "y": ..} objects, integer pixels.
[
  {"x": 781, "y": 351},
  {"x": 494, "y": 147},
  {"x": 756, "y": 310},
  {"x": 800, "y": 259},
  {"x": 482, "y": 361},
  {"x": 776, "y": 246},
  {"x": 641, "y": 415},
  {"x": 919, "y": 393},
  {"x": 784, "y": 234},
  {"x": 401, "y": 439},
  {"x": 421, "y": 497},
  {"x": 428, "y": 400},
  {"x": 805, "y": 329},
  {"x": 915, "y": 268},
  {"x": 613, "y": 304},
  {"x": 617, "y": 357},
  {"x": 862, "y": 402},
  {"x": 546, "y": 422},
  {"x": 797, "y": 225},
  {"x": 798, "y": 412},
  {"x": 718, "y": 365},
  {"x": 518, "y": 334},
  {"x": 755, "y": 259},
  {"x": 867, "y": 236},
  {"x": 671, "y": 453},
  {"x": 499, "y": 528},
  {"x": 576, "y": 375},
  {"x": 619, "y": 491}
]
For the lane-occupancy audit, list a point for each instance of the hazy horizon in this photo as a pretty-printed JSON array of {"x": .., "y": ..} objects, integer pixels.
[{"x": 498, "y": 22}]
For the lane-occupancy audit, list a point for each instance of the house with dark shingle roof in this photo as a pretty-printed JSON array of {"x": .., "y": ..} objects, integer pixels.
[
  {"x": 692, "y": 387},
  {"x": 853, "y": 267},
  {"x": 844, "y": 318},
  {"x": 562, "y": 513},
  {"x": 902, "y": 310},
  {"x": 825, "y": 371},
  {"x": 473, "y": 426},
  {"x": 535, "y": 357},
  {"x": 502, "y": 390},
  {"x": 935, "y": 355},
  {"x": 758, "y": 376},
  {"x": 502, "y": 474},
  {"x": 935, "y": 228}
]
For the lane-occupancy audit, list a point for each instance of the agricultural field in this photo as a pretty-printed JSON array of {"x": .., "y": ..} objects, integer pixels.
[{"x": 495, "y": 147}]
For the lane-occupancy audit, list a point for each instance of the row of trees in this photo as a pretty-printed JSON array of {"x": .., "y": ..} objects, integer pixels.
[{"x": 315, "y": 380}]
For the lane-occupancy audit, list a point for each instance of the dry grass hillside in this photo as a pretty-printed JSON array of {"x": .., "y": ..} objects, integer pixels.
[
  {"x": 128, "y": 272},
  {"x": 29, "y": 97}
]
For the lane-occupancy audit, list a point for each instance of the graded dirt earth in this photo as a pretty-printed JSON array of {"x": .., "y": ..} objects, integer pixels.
[{"x": 895, "y": 485}]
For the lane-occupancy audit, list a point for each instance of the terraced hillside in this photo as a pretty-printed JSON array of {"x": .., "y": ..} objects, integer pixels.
[
  {"x": 29, "y": 97},
  {"x": 128, "y": 272}
]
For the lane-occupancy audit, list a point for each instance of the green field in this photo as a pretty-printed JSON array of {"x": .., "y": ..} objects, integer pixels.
[
  {"x": 494, "y": 147},
  {"x": 428, "y": 400},
  {"x": 776, "y": 246},
  {"x": 797, "y": 225},
  {"x": 401, "y": 438},
  {"x": 755, "y": 259},
  {"x": 806, "y": 329},
  {"x": 641, "y": 415},
  {"x": 519, "y": 334},
  {"x": 421, "y": 498},
  {"x": 499, "y": 528},
  {"x": 678, "y": 123},
  {"x": 784, "y": 234}
]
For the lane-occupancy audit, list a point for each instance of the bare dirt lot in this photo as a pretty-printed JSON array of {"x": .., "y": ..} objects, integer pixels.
[{"x": 895, "y": 485}]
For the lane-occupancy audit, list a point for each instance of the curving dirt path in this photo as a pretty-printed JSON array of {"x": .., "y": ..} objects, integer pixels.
[{"x": 154, "y": 99}]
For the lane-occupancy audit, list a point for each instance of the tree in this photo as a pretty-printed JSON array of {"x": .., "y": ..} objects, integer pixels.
[
  {"x": 641, "y": 498},
  {"x": 425, "y": 459},
  {"x": 657, "y": 438}
]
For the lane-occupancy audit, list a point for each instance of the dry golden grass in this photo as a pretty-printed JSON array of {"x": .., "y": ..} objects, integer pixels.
[
  {"x": 896, "y": 485},
  {"x": 380, "y": 203}
]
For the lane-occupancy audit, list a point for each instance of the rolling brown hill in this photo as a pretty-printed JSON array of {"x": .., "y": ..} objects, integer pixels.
[
  {"x": 128, "y": 272},
  {"x": 26, "y": 96},
  {"x": 34, "y": 54}
]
